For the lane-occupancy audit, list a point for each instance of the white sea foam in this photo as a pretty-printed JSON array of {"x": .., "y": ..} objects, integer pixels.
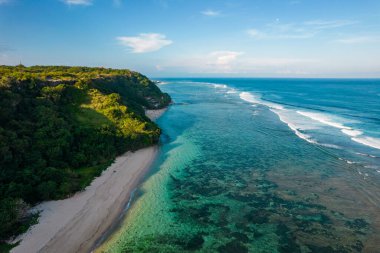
[
  {"x": 296, "y": 130},
  {"x": 324, "y": 119},
  {"x": 347, "y": 161},
  {"x": 224, "y": 87},
  {"x": 329, "y": 145},
  {"x": 297, "y": 124},
  {"x": 368, "y": 155},
  {"x": 352, "y": 132},
  {"x": 273, "y": 105},
  {"x": 249, "y": 97},
  {"x": 368, "y": 141},
  {"x": 301, "y": 135},
  {"x": 256, "y": 99},
  {"x": 327, "y": 120},
  {"x": 214, "y": 85},
  {"x": 220, "y": 86},
  {"x": 371, "y": 167},
  {"x": 356, "y": 135}
]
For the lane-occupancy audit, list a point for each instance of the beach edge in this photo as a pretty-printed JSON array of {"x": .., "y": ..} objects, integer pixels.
[{"x": 71, "y": 225}]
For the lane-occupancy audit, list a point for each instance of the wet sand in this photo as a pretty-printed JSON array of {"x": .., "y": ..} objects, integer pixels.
[{"x": 76, "y": 223}]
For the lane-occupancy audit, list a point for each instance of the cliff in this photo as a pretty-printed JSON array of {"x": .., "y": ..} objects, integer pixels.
[{"x": 61, "y": 126}]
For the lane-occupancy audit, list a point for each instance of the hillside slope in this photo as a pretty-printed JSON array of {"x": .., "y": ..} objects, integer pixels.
[{"x": 61, "y": 126}]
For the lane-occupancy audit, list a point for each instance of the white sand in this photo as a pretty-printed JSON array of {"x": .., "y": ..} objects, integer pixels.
[
  {"x": 74, "y": 224},
  {"x": 155, "y": 114}
]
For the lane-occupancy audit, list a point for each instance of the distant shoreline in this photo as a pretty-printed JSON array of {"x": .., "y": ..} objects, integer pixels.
[{"x": 77, "y": 223}]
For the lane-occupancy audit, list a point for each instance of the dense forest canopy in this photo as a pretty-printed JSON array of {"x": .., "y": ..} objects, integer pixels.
[{"x": 61, "y": 126}]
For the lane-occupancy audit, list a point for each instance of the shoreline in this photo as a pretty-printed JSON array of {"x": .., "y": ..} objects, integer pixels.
[
  {"x": 77, "y": 223},
  {"x": 155, "y": 114}
]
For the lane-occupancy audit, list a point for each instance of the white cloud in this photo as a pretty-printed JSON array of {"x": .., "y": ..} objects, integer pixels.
[
  {"x": 254, "y": 33},
  {"x": 213, "y": 62},
  {"x": 358, "y": 40},
  {"x": 223, "y": 58},
  {"x": 237, "y": 63},
  {"x": 305, "y": 30},
  {"x": 211, "y": 13},
  {"x": 329, "y": 24},
  {"x": 281, "y": 32},
  {"x": 4, "y": 1},
  {"x": 276, "y": 62},
  {"x": 145, "y": 42},
  {"x": 78, "y": 2}
]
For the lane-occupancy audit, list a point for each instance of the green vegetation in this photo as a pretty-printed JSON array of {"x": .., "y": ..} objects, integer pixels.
[{"x": 61, "y": 126}]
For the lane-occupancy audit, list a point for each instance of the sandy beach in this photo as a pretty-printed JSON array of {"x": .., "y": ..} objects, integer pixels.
[
  {"x": 76, "y": 223},
  {"x": 155, "y": 114}
]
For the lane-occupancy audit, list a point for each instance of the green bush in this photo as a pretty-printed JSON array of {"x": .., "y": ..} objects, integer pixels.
[{"x": 61, "y": 126}]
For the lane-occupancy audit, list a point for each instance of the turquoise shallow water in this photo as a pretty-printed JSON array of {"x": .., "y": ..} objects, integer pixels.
[{"x": 261, "y": 165}]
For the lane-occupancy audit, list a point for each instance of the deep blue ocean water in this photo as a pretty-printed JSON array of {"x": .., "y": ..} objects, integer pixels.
[
  {"x": 261, "y": 165},
  {"x": 340, "y": 113}
]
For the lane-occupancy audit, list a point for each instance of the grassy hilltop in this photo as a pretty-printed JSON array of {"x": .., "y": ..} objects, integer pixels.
[{"x": 61, "y": 126}]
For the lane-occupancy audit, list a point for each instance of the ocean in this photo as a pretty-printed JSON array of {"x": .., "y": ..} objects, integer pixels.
[{"x": 261, "y": 165}]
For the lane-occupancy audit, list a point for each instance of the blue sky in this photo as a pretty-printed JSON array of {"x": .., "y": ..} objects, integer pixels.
[{"x": 164, "y": 38}]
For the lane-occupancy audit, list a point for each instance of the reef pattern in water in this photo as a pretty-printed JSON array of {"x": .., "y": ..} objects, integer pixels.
[{"x": 233, "y": 178}]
